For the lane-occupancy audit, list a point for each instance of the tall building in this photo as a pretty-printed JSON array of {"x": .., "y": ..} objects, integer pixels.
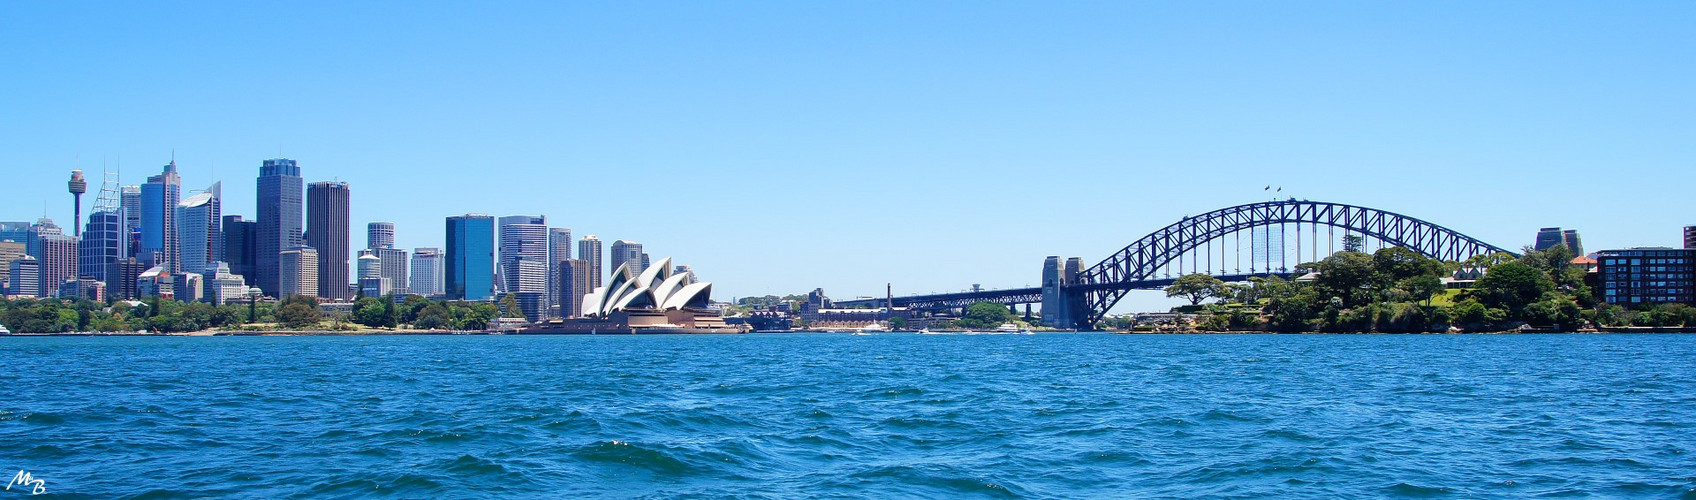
[
  {"x": 101, "y": 247},
  {"x": 222, "y": 285},
  {"x": 238, "y": 245},
  {"x": 9, "y": 251},
  {"x": 25, "y": 276},
  {"x": 626, "y": 251},
  {"x": 200, "y": 230},
  {"x": 159, "y": 199},
  {"x": 58, "y": 260},
  {"x": 559, "y": 250},
  {"x": 298, "y": 272},
  {"x": 380, "y": 235},
  {"x": 524, "y": 261},
  {"x": 1689, "y": 236},
  {"x": 426, "y": 277},
  {"x": 327, "y": 212},
  {"x": 280, "y": 200},
  {"x": 589, "y": 250},
  {"x": 42, "y": 227},
  {"x": 394, "y": 269},
  {"x": 130, "y": 198},
  {"x": 1636, "y": 276},
  {"x": 370, "y": 272},
  {"x": 573, "y": 280},
  {"x": 14, "y": 231},
  {"x": 1551, "y": 236},
  {"x": 123, "y": 279},
  {"x": 469, "y": 269}
]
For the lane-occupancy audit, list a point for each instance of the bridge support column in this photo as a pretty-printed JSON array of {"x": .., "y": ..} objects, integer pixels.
[{"x": 1057, "y": 307}]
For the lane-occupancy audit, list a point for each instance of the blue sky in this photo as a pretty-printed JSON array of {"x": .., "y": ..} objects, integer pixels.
[{"x": 782, "y": 146}]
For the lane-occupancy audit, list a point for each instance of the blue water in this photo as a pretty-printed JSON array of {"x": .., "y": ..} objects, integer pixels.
[{"x": 895, "y": 415}]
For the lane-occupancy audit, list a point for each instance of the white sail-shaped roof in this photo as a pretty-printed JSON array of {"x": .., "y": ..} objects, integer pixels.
[
  {"x": 664, "y": 290},
  {"x": 694, "y": 295}
]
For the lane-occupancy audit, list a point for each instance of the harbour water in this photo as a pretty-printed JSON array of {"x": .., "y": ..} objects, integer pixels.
[{"x": 880, "y": 416}]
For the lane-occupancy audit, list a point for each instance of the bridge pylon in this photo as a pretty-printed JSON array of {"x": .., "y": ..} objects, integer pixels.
[{"x": 1061, "y": 307}]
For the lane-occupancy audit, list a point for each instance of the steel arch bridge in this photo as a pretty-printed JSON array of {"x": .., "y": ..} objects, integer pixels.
[{"x": 1095, "y": 290}]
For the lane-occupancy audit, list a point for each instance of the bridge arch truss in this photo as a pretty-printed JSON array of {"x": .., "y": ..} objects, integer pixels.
[{"x": 1099, "y": 287}]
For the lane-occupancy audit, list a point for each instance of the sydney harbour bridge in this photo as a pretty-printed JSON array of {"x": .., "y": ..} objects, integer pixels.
[{"x": 1280, "y": 234}]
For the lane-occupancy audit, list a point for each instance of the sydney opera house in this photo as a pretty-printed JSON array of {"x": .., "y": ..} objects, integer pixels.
[{"x": 655, "y": 301}]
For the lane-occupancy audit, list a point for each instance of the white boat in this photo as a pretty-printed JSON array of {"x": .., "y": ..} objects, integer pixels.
[
  {"x": 4, "y": 331},
  {"x": 1006, "y": 328},
  {"x": 872, "y": 328}
]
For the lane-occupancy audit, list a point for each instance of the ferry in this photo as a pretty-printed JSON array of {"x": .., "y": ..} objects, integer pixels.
[
  {"x": 872, "y": 328},
  {"x": 4, "y": 331}
]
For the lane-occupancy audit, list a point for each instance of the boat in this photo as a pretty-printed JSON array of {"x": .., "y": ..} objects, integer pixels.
[
  {"x": 4, "y": 331},
  {"x": 872, "y": 328},
  {"x": 1008, "y": 328}
]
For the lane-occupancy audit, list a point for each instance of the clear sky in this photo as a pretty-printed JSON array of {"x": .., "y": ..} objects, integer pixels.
[{"x": 782, "y": 146}]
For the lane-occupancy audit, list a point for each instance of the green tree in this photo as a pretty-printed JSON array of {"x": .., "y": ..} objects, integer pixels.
[
  {"x": 1198, "y": 287},
  {"x": 1351, "y": 276},
  {"x": 432, "y": 316},
  {"x": 298, "y": 312},
  {"x": 1353, "y": 243},
  {"x": 1512, "y": 286},
  {"x": 370, "y": 312},
  {"x": 1421, "y": 288},
  {"x": 509, "y": 307},
  {"x": 985, "y": 315}
]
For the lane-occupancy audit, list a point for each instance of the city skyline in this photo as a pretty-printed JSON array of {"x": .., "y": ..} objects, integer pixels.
[{"x": 1127, "y": 116}]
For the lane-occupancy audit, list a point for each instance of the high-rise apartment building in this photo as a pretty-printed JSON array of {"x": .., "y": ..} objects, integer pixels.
[
  {"x": 559, "y": 250},
  {"x": 123, "y": 283},
  {"x": 470, "y": 265},
  {"x": 380, "y": 235},
  {"x": 25, "y": 275},
  {"x": 238, "y": 245},
  {"x": 589, "y": 250},
  {"x": 9, "y": 251},
  {"x": 101, "y": 246},
  {"x": 573, "y": 281},
  {"x": 370, "y": 274},
  {"x": 278, "y": 228},
  {"x": 426, "y": 276},
  {"x": 200, "y": 230},
  {"x": 159, "y": 199},
  {"x": 1551, "y": 236},
  {"x": 58, "y": 260},
  {"x": 130, "y": 198},
  {"x": 298, "y": 272},
  {"x": 524, "y": 261},
  {"x": 1689, "y": 236},
  {"x": 327, "y": 213},
  {"x": 42, "y": 227},
  {"x": 394, "y": 269},
  {"x": 1638, "y": 276},
  {"x": 626, "y": 251}
]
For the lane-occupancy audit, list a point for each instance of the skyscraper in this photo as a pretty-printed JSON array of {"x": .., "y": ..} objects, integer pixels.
[
  {"x": 58, "y": 259},
  {"x": 9, "y": 251},
  {"x": 199, "y": 230},
  {"x": 25, "y": 275},
  {"x": 370, "y": 273},
  {"x": 589, "y": 250},
  {"x": 1551, "y": 236},
  {"x": 469, "y": 270},
  {"x": 394, "y": 269},
  {"x": 42, "y": 227},
  {"x": 238, "y": 245},
  {"x": 1689, "y": 236},
  {"x": 524, "y": 261},
  {"x": 101, "y": 246},
  {"x": 380, "y": 235},
  {"x": 159, "y": 199},
  {"x": 573, "y": 280},
  {"x": 426, "y": 277},
  {"x": 298, "y": 272},
  {"x": 327, "y": 206},
  {"x": 559, "y": 250},
  {"x": 279, "y": 221},
  {"x": 130, "y": 198},
  {"x": 626, "y": 251}
]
